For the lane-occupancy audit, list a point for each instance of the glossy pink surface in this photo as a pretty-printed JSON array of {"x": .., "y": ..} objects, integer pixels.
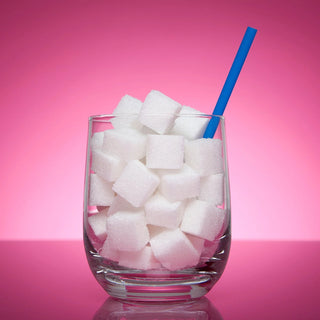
[
  {"x": 64, "y": 60},
  {"x": 263, "y": 280}
]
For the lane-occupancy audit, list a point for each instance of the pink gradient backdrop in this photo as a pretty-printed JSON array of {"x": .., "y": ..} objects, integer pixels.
[{"x": 62, "y": 61}]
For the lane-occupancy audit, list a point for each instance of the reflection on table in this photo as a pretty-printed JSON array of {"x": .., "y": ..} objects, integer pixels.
[{"x": 201, "y": 309}]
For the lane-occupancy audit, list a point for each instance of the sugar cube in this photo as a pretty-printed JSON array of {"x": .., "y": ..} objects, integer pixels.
[
  {"x": 120, "y": 204},
  {"x": 96, "y": 140},
  {"x": 164, "y": 151},
  {"x": 198, "y": 244},
  {"x": 127, "y": 230},
  {"x": 211, "y": 189},
  {"x": 174, "y": 249},
  {"x": 136, "y": 183},
  {"x": 107, "y": 166},
  {"x": 142, "y": 259},
  {"x": 146, "y": 130},
  {"x": 204, "y": 156},
  {"x": 101, "y": 193},
  {"x": 158, "y": 112},
  {"x": 180, "y": 184},
  {"x": 127, "y": 144},
  {"x": 190, "y": 127},
  {"x": 98, "y": 223},
  {"x": 126, "y": 113},
  {"x": 154, "y": 230},
  {"x": 108, "y": 251},
  {"x": 202, "y": 219},
  {"x": 161, "y": 212}
]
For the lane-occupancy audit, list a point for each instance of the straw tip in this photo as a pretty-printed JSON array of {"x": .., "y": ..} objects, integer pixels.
[{"x": 253, "y": 30}]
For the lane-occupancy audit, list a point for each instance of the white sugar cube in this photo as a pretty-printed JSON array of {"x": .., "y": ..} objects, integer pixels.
[
  {"x": 158, "y": 112},
  {"x": 126, "y": 113},
  {"x": 96, "y": 140},
  {"x": 204, "y": 156},
  {"x": 198, "y": 244},
  {"x": 127, "y": 230},
  {"x": 188, "y": 126},
  {"x": 106, "y": 166},
  {"x": 108, "y": 251},
  {"x": 154, "y": 230},
  {"x": 143, "y": 259},
  {"x": 209, "y": 249},
  {"x": 180, "y": 184},
  {"x": 127, "y": 144},
  {"x": 120, "y": 204},
  {"x": 174, "y": 249},
  {"x": 161, "y": 212},
  {"x": 136, "y": 183},
  {"x": 101, "y": 193},
  {"x": 98, "y": 223},
  {"x": 211, "y": 189},
  {"x": 146, "y": 130},
  {"x": 202, "y": 219},
  {"x": 164, "y": 151}
]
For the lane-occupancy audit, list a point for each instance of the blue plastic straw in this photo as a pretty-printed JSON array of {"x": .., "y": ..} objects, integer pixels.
[{"x": 230, "y": 81}]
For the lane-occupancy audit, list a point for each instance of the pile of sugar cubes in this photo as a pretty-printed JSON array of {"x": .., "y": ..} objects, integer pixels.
[{"x": 158, "y": 186}]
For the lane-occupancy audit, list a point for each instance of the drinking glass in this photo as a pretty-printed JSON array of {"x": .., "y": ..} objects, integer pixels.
[{"x": 144, "y": 274}]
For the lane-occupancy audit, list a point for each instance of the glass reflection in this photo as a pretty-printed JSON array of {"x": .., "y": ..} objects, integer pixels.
[{"x": 201, "y": 309}]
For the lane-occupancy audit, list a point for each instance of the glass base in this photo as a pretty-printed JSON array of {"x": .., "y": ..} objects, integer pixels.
[
  {"x": 144, "y": 289},
  {"x": 157, "y": 285}
]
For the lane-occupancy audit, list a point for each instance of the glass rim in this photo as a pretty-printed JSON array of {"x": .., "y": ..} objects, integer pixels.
[{"x": 100, "y": 117}]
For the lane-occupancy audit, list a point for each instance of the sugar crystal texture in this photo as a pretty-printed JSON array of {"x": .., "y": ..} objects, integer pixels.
[
  {"x": 164, "y": 151},
  {"x": 204, "y": 156},
  {"x": 211, "y": 188},
  {"x": 120, "y": 204},
  {"x": 109, "y": 252},
  {"x": 198, "y": 244},
  {"x": 98, "y": 223},
  {"x": 127, "y": 231},
  {"x": 126, "y": 113},
  {"x": 136, "y": 183},
  {"x": 163, "y": 213},
  {"x": 190, "y": 127},
  {"x": 180, "y": 184},
  {"x": 159, "y": 112},
  {"x": 146, "y": 130},
  {"x": 96, "y": 140},
  {"x": 154, "y": 230},
  {"x": 108, "y": 167},
  {"x": 127, "y": 144},
  {"x": 174, "y": 249},
  {"x": 101, "y": 193},
  {"x": 142, "y": 259},
  {"x": 202, "y": 219}
]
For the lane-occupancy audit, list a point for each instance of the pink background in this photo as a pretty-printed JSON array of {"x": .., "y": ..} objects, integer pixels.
[{"x": 62, "y": 61}]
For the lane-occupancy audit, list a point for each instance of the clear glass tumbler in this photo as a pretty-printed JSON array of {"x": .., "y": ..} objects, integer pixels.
[{"x": 156, "y": 207}]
